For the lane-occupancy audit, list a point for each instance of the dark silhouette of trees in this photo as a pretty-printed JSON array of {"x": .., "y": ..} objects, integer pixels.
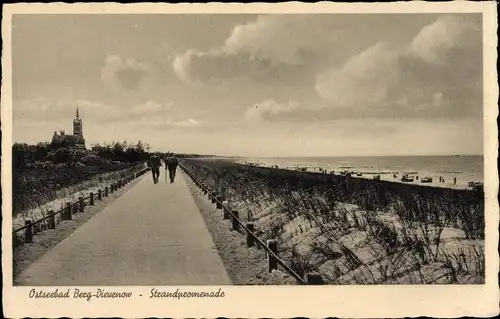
[{"x": 24, "y": 154}]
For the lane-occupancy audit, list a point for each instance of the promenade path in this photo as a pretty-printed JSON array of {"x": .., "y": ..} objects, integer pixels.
[{"x": 151, "y": 235}]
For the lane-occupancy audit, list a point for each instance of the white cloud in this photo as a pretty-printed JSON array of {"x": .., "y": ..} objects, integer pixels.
[
  {"x": 94, "y": 111},
  {"x": 437, "y": 73},
  {"x": 435, "y": 41},
  {"x": 281, "y": 38},
  {"x": 126, "y": 74},
  {"x": 187, "y": 123},
  {"x": 160, "y": 122},
  {"x": 181, "y": 66},
  {"x": 261, "y": 48},
  {"x": 149, "y": 107},
  {"x": 214, "y": 67},
  {"x": 364, "y": 80}
]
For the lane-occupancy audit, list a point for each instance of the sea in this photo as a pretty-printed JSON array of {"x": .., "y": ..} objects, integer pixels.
[{"x": 465, "y": 168}]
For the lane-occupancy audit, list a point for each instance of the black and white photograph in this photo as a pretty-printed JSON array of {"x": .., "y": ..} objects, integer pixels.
[{"x": 216, "y": 149}]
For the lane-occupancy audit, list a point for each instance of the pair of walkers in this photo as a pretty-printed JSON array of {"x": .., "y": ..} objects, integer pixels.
[{"x": 171, "y": 164}]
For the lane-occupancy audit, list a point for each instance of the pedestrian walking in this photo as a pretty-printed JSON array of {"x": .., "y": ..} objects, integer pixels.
[
  {"x": 155, "y": 163},
  {"x": 171, "y": 163}
]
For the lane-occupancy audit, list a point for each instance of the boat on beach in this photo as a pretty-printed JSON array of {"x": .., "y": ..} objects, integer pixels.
[
  {"x": 426, "y": 180},
  {"x": 407, "y": 178}
]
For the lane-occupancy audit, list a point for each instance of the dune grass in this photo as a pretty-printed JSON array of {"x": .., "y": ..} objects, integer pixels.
[{"x": 357, "y": 231}]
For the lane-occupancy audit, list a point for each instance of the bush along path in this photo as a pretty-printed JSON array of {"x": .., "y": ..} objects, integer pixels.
[
  {"x": 31, "y": 243},
  {"x": 47, "y": 217},
  {"x": 39, "y": 202}
]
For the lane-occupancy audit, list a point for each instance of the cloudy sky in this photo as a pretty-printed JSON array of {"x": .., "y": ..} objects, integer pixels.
[{"x": 254, "y": 85}]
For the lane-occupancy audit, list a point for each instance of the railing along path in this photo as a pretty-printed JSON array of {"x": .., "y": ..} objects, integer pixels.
[
  {"x": 271, "y": 247},
  {"x": 72, "y": 208}
]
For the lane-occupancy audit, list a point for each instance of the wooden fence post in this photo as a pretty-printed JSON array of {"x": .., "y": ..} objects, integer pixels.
[
  {"x": 82, "y": 204},
  {"x": 70, "y": 213},
  {"x": 112, "y": 188},
  {"x": 52, "y": 220},
  {"x": 225, "y": 212},
  {"x": 91, "y": 200},
  {"x": 75, "y": 208},
  {"x": 314, "y": 278},
  {"x": 28, "y": 232},
  {"x": 99, "y": 194},
  {"x": 106, "y": 189},
  {"x": 250, "y": 239},
  {"x": 67, "y": 212},
  {"x": 225, "y": 204},
  {"x": 272, "y": 244},
  {"x": 236, "y": 224},
  {"x": 214, "y": 197},
  {"x": 218, "y": 201}
]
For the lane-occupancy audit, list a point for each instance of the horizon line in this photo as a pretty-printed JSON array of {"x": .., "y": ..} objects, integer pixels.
[
  {"x": 365, "y": 155},
  {"x": 283, "y": 156}
]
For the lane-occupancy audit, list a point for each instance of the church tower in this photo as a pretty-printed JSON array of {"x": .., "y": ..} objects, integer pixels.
[
  {"x": 78, "y": 132},
  {"x": 77, "y": 125}
]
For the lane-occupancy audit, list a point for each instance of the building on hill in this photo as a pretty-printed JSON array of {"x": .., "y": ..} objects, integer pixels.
[{"x": 75, "y": 141}]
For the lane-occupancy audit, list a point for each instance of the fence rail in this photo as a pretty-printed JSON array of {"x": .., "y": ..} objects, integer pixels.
[
  {"x": 67, "y": 211},
  {"x": 270, "y": 247}
]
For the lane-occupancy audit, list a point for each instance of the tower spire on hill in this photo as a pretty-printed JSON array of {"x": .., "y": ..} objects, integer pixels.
[{"x": 76, "y": 141}]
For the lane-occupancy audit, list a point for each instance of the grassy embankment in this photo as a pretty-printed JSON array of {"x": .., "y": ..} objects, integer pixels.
[
  {"x": 46, "y": 179},
  {"x": 354, "y": 230}
]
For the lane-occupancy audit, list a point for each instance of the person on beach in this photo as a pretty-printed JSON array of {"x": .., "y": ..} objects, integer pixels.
[
  {"x": 171, "y": 164},
  {"x": 454, "y": 181},
  {"x": 155, "y": 163}
]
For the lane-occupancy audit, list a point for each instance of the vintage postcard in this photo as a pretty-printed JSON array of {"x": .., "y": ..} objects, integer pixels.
[{"x": 250, "y": 160}]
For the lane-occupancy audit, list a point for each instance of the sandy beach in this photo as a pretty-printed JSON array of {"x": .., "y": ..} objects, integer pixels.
[{"x": 385, "y": 175}]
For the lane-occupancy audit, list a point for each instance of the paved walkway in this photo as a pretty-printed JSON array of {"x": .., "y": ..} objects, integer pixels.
[{"x": 151, "y": 235}]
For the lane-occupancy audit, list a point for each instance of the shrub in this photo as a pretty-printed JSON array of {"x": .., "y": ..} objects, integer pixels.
[
  {"x": 93, "y": 160},
  {"x": 61, "y": 155}
]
